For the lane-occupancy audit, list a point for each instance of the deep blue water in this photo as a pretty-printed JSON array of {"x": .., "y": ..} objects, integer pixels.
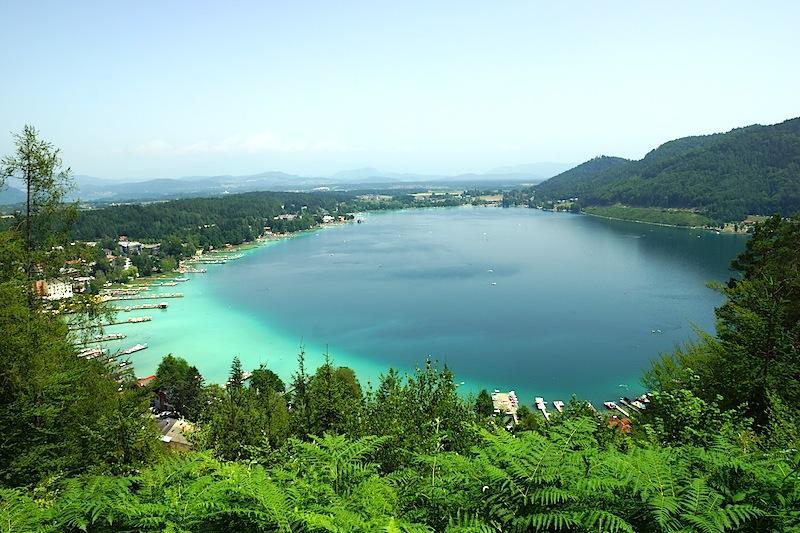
[{"x": 544, "y": 303}]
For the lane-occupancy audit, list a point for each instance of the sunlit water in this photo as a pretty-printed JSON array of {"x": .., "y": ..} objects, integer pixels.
[{"x": 546, "y": 304}]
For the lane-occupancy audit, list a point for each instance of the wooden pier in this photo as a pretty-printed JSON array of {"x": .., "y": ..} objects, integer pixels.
[
  {"x": 540, "y": 405},
  {"x": 613, "y": 406},
  {"x": 132, "y": 320},
  {"x": 128, "y": 308},
  {"x": 105, "y": 338},
  {"x": 146, "y": 296}
]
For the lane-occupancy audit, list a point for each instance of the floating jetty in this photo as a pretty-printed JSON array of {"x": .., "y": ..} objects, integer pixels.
[
  {"x": 124, "y": 292},
  {"x": 505, "y": 403},
  {"x": 104, "y": 338},
  {"x": 132, "y": 320},
  {"x": 191, "y": 270},
  {"x": 136, "y": 320},
  {"x": 540, "y": 405},
  {"x": 612, "y": 406},
  {"x": 629, "y": 404},
  {"x": 128, "y": 308},
  {"x": 146, "y": 296},
  {"x": 91, "y": 353},
  {"x": 559, "y": 405},
  {"x": 133, "y": 349}
]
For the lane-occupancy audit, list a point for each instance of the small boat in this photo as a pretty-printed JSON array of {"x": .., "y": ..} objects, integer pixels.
[
  {"x": 91, "y": 353},
  {"x": 133, "y": 349}
]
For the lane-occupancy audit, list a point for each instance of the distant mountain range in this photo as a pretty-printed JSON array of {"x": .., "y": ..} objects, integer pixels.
[
  {"x": 92, "y": 189},
  {"x": 726, "y": 176}
]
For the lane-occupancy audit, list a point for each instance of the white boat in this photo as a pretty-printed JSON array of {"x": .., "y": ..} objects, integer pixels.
[{"x": 133, "y": 349}]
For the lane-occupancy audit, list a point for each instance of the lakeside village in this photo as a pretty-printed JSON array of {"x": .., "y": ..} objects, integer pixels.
[{"x": 121, "y": 274}]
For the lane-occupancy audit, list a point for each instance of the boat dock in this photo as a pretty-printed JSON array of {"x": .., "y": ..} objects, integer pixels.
[
  {"x": 91, "y": 353},
  {"x": 626, "y": 403},
  {"x": 505, "y": 403},
  {"x": 128, "y": 308},
  {"x": 146, "y": 296},
  {"x": 612, "y": 406},
  {"x": 124, "y": 292},
  {"x": 191, "y": 270},
  {"x": 133, "y": 349},
  {"x": 104, "y": 338},
  {"x": 132, "y": 320},
  {"x": 559, "y": 405},
  {"x": 540, "y": 405}
]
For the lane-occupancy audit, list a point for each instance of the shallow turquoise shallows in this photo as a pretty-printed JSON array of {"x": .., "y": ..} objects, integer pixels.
[{"x": 547, "y": 304}]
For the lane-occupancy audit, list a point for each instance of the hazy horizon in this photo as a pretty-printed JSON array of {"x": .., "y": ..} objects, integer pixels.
[{"x": 167, "y": 90}]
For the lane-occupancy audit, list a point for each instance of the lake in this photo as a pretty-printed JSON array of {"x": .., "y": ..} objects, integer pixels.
[{"x": 547, "y": 304}]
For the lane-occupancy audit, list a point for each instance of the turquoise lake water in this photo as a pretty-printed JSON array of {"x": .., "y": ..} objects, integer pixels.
[{"x": 543, "y": 303}]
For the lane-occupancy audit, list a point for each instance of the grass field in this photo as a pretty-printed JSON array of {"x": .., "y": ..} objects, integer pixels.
[{"x": 653, "y": 215}]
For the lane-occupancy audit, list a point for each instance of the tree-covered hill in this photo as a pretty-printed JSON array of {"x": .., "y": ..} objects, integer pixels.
[
  {"x": 726, "y": 176},
  {"x": 234, "y": 219},
  {"x": 584, "y": 177}
]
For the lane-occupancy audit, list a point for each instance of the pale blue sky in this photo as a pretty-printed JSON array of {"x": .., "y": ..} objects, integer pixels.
[{"x": 171, "y": 88}]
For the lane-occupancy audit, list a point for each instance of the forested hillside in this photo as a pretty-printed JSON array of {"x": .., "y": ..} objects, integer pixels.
[
  {"x": 725, "y": 176},
  {"x": 207, "y": 221}
]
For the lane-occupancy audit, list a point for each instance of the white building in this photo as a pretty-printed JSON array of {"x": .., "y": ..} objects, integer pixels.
[{"x": 54, "y": 289}]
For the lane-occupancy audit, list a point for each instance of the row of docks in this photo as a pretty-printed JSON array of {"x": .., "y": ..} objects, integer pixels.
[
  {"x": 637, "y": 405},
  {"x": 508, "y": 403}
]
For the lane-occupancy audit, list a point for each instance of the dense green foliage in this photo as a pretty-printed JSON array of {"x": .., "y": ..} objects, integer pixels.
[
  {"x": 60, "y": 415},
  {"x": 232, "y": 219},
  {"x": 726, "y": 176}
]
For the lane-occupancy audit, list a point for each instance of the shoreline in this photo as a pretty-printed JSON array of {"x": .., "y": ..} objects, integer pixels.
[
  {"x": 664, "y": 224},
  {"x": 282, "y": 347}
]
